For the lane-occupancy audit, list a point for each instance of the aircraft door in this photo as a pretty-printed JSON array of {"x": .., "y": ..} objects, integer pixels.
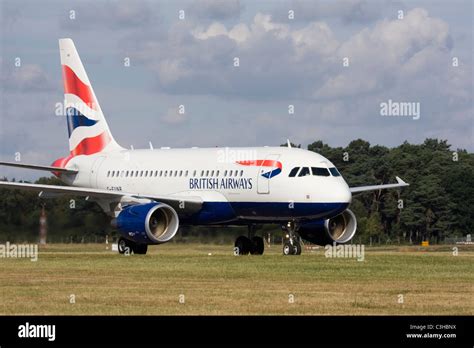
[{"x": 265, "y": 173}]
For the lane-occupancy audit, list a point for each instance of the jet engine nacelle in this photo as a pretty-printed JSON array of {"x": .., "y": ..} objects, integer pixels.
[
  {"x": 339, "y": 229},
  {"x": 150, "y": 223}
]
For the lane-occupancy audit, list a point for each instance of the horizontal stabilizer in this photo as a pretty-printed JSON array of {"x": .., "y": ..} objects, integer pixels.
[{"x": 36, "y": 167}]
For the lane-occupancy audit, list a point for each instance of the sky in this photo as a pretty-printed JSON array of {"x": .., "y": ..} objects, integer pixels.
[{"x": 334, "y": 63}]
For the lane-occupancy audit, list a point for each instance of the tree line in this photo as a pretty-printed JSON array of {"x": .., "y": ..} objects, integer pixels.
[{"x": 437, "y": 204}]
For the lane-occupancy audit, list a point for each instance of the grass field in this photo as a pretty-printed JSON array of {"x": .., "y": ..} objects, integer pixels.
[{"x": 431, "y": 281}]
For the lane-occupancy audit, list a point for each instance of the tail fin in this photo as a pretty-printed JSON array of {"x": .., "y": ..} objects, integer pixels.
[{"x": 87, "y": 127}]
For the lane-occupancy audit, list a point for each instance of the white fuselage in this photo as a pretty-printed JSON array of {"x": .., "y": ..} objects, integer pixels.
[{"x": 215, "y": 175}]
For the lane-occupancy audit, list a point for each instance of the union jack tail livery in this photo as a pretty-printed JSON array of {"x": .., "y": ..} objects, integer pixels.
[{"x": 87, "y": 127}]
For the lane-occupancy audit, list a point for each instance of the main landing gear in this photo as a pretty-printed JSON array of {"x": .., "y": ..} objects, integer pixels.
[
  {"x": 291, "y": 239},
  {"x": 126, "y": 246},
  {"x": 249, "y": 245},
  {"x": 254, "y": 245}
]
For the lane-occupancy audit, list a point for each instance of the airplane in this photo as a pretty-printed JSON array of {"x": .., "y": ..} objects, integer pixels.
[{"x": 150, "y": 193}]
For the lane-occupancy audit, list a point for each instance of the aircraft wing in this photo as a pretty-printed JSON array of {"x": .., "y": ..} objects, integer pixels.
[
  {"x": 359, "y": 189},
  {"x": 37, "y": 167},
  {"x": 191, "y": 203}
]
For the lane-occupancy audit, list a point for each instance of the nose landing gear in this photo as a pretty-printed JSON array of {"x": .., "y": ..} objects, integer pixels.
[{"x": 291, "y": 239}]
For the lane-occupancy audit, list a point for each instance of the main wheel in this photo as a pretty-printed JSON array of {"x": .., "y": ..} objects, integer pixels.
[
  {"x": 296, "y": 248},
  {"x": 140, "y": 249},
  {"x": 287, "y": 248},
  {"x": 124, "y": 245},
  {"x": 243, "y": 246},
  {"x": 258, "y": 245}
]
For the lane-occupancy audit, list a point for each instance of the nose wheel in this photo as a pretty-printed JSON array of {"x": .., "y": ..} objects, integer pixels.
[{"x": 291, "y": 239}]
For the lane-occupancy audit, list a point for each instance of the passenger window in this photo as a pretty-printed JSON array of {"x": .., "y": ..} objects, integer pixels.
[
  {"x": 241, "y": 172},
  {"x": 202, "y": 172},
  {"x": 217, "y": 173},
  {"x": 194, "y": 173},
  {"x": 166, "y": 173},
  {"x": 334, "y": 171},
  {"x": 225, "y": 172},
  {"x": 186, "y": 174},
  {"x": 126, "y": 174},
  {"x": 212, "y": 173},
  {"x": 319, "y": 171},
  {"x": 293, "y": 172},
  {"x": 180, "y": 173},
  {"x": 304, "y": 171}
]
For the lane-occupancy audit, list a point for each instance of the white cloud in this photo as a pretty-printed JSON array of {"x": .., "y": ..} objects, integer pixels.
[
  {"x": 278, "y": 59},
  {"x": 239, "y": 33}
]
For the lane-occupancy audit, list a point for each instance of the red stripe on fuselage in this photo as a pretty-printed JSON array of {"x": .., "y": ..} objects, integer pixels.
[
  {"x": 263, "y": 163},
  {"x": 74, "y": 85}
]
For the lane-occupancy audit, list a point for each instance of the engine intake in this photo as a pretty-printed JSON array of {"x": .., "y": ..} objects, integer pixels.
[
  {"x": 151, "y": 223},
  {"x": 340, "y": 229}
]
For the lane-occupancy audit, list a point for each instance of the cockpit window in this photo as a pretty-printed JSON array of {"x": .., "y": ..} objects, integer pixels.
[
  {"x": 319, "y": 171},
  {"x": 293, "y": 172},
  {"x": 304, "y": 171},
  {"x": 334, "y": 171}
]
